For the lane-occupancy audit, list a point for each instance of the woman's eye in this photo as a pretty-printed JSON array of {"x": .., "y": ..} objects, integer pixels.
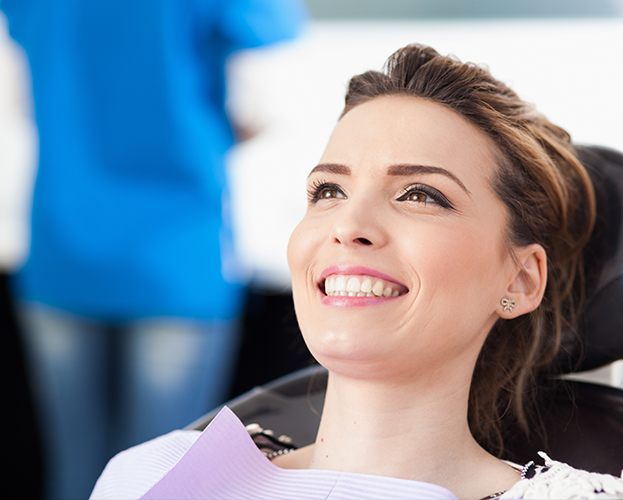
[
  {"x": 418, "y": 196},
  {"x": 425, "y": 195},
  {"x": 324, "y": 191},
  {"x": 329, "y": 193}
]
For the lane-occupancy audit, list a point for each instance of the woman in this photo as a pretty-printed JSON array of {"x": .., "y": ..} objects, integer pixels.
[{"x": 434, "y": 273}]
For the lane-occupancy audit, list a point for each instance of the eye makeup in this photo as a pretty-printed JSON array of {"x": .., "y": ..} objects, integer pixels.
[
  {"x": 429, "y": 191},
  {"x": 319, "y": 189},
  {"x": 323, "y": 190}
]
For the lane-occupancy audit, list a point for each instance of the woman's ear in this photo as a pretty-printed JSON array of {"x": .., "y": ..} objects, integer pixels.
[{"x": 527, "y": 285}]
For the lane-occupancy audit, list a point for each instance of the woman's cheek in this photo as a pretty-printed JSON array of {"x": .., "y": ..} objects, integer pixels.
[
  {"x": 455, "y": 263},
  {"x": 302, "y": 253},
  {"x": 296, "y": 247}
]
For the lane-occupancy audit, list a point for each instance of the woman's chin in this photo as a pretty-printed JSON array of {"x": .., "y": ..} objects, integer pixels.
[{"x": 343, "y": 350}]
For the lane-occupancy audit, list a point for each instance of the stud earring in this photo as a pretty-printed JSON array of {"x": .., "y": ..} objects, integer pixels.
[{"x": 508, "y": 304}]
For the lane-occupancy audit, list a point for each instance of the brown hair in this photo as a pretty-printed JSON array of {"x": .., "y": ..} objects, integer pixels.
[{"x": 550, "y": 201}]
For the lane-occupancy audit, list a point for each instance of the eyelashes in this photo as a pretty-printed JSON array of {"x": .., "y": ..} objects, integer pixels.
[
  {"x": 321, "y": 190},
  {"x": 429, "y": 191}
]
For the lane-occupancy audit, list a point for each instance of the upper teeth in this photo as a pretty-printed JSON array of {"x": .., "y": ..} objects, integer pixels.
[{"x": 360, "y": 286}]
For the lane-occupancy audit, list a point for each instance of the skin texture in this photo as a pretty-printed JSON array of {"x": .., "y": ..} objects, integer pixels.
[{"x": 400, "y": 368}]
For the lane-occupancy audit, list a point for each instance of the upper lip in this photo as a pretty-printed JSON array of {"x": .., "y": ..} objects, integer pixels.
[{"x": 359, "y": 270}]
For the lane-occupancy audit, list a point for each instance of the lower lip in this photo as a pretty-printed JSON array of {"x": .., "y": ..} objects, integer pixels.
[{"x": 346, "y": 301}]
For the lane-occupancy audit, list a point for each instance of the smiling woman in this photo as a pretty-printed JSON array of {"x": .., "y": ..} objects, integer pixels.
[
  {"x": 435, "y": 273},
  {"x": 523, "y": 214}
]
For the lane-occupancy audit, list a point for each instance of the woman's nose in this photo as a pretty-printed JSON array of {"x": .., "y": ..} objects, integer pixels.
[{"x": 354, "y": 227}]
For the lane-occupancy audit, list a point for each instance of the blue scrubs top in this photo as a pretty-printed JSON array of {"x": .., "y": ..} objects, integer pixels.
[{"x": 129, "y": 215}]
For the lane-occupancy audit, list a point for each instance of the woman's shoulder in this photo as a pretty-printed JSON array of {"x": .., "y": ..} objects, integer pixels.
[
  {"x": 557, "y": 479},
  {"x": 132, "y": 472}
]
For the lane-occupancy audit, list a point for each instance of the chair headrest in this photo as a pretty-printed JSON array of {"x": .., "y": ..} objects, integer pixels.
[{"x": 601, "y": 326}]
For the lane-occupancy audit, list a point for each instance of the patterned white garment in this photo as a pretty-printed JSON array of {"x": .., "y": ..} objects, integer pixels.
[{"x": 560, "y": 480}]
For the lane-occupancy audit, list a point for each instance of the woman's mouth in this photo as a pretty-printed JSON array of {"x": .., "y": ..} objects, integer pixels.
[{"x": 345, "y": 285}]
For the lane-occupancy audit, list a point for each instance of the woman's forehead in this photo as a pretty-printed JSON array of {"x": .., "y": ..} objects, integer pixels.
[{"x": 393, "y": 130}]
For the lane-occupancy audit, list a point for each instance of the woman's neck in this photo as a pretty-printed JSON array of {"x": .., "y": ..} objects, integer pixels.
[
  {"x": 419, "y": 432},
  {"x": 376, "y": 427}
]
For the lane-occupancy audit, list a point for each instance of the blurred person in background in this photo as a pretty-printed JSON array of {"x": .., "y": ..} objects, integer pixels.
[{"x": 129, "y": 295}]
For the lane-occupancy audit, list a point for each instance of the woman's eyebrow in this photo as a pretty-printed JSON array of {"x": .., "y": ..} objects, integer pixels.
[
  {"x": 408, "y": 169},
  {"x": 334, "y": 168}
]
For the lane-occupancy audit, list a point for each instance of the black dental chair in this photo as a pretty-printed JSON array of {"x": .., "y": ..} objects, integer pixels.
[{"x": 583, "y": 420}]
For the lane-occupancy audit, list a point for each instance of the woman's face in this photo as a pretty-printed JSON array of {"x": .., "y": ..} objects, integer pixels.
[{"x": 400, "y": 263}]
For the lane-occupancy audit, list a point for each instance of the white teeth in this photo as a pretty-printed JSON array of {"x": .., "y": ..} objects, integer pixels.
[
  {"x": 329, "y": 285},
  {"x": 340, "y": 283},
  {"x": 359, "y": 286},
  {"x": 353, "y": 285},
  {"x": 377, "y": 289}
]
